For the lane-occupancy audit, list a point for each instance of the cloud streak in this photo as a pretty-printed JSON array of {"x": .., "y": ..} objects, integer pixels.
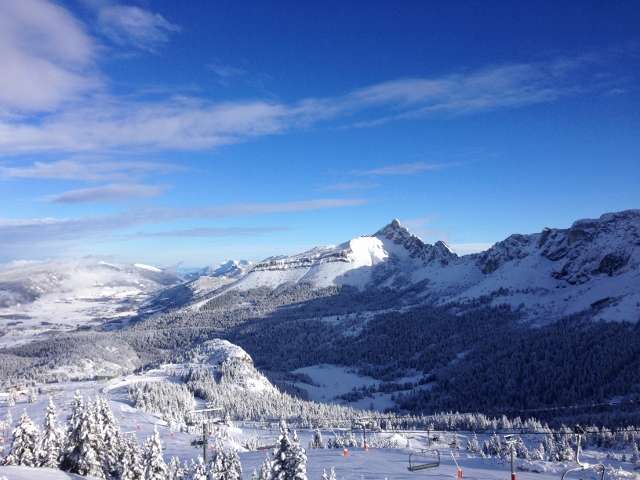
[
  {"x": 132, "y": 26},
  {"x": 213, "y": 232},
  {"x": 86, "y": 169},
  {"x": 17, "y": 233},
  {"x": 349, "y": 186},
  {"x": 107, "y": 122},
  {"x": 108, "y": 193},
  {"x": 404, "y": 169}
]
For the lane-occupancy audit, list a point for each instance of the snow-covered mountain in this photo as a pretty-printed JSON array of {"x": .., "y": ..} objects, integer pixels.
[
  {"x": 63, "y": 295},
  {"x": 592, "y": 265}
]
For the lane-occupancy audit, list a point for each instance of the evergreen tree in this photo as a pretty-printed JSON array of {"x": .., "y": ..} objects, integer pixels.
[
  {"x": 33, "y": 395},
  {"x": 110, "y": 436},
  {"x": 82, "y": 453},
  {"x": 331, "y": 475},
  {"x": 130, "y": 460},
  {"x": 198, "y": 471},
  {"x": 233, "y": 467},
  {"x": 635, "y": 454},
  {"x": 77, "y": 409},
  {"x": 550, "y": 448},
  {"x": 289, "y": 459},
  {"x": 176, "y": 470},
  {"x": 24, "y": 446},
  {"x": 472, "y": 444},
  {"x": 265, "y": 470},
  {"x": 52, "y": 440},
  {"x": 317, "y": 441},
  {"x": 154, "y": 466},
  {"x": 521, "y": 450},
  {"x": 538, "y": 452},
  {"x": 216, "y": 469}
]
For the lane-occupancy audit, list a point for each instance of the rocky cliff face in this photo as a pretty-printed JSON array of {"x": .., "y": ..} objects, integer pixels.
[
  {"x": 604, "y": 246},
  {"x": 414, "y": 246}
]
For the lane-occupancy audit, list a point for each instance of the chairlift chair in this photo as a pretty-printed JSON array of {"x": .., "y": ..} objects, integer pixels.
[{"x": 423, "y": 460}]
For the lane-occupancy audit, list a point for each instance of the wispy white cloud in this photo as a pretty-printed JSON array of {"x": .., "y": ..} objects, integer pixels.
[
  {"x": 214, "y": 232},
  {"x": 18, "y": 233},
  {"x": 178, "y": 123},
  {"x": 225, "y": 73},
  {"x": 132, "y": 26},
  {"x": 404, "y": 169},
  {"x": 348, "y": 186},
  {"x": 87, "y": 169},
  {"x": 108, "y": 193},
  {"x": 109, "y": 122},
  {"x": 47, "y": 57}
]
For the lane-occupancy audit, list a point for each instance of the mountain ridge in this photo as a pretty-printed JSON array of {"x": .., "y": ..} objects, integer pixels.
[{"x": 593, "y": 264}]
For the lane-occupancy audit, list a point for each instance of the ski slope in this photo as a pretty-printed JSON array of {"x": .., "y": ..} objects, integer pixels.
[{"x": 359, "y": 464}]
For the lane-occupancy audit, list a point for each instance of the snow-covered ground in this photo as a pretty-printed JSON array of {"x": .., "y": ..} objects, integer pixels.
[
  {"x": 329, "y": 381},
  {"x": 37, "y": 298},
  {"x": 359, "y": 464}
]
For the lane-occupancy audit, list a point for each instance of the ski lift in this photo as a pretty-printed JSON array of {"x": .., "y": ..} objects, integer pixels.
[
  {"x": 583, "y": 466},
  {"x": 423, "y": 460}
]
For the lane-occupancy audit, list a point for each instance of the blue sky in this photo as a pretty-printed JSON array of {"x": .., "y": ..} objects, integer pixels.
[{"x": 166, "y": 132}]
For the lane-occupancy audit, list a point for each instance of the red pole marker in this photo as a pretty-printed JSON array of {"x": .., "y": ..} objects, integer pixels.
[
  {"x": 345, "y": 452},
  {"x": 459, "y": 474},
  {"x": 513, "y": 476}
]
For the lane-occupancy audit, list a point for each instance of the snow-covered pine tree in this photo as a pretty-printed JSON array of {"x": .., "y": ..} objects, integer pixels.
[
  {"x": 289, "y": 459},
  {"x": 77, "y": 408},
  {"x": 216, "y": 469},
  {"x": 130, "y": 460},
  {"x": 537, "y": 453},
  {"x": 331, "y": 475},
  {"x": 473, "y": 446},
  {"x": 51, "y": 440},
  {"x": 550, "y": 448},
  {"x": 198, "y": 471},
  {"x": 154, "y": 466},
  {"x": 521, "y": 450},
  {"x": 317, "y": 441},
  {"x": 110, "y": 435},
  {"x": 8, "y": 420},
  {"x": 265, "y": 469},
  {"x": 24, "y": 446},
  {"x": 635, "y": 454},
  {"x": 82, "y": 452},
  {"x": 233, "y": 467},
  {"x": 565, "y": 452},
  {"x": 176, "y": 470}
]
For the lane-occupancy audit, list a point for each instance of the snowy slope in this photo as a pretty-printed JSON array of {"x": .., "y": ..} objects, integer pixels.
[
  {"x": 218, "y": 356},
  {"x": 591, "y": 266},
  {"x": 62, "y": 295},
  {"x": 212, "y": 278}
]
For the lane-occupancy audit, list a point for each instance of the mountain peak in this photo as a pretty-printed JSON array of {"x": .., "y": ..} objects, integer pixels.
[
  {"x": 399, "y": 235},
  {"x": 393, "y": 229}
]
